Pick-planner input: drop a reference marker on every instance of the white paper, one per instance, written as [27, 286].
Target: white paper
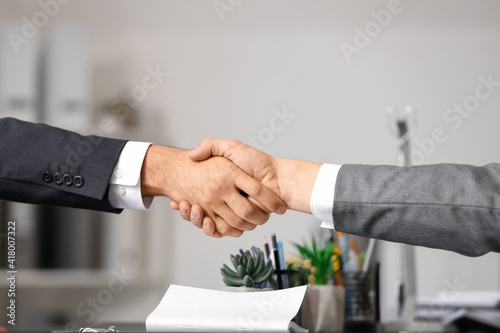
[191, 309]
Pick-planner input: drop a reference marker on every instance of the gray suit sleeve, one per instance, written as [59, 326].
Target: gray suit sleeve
[444, 206]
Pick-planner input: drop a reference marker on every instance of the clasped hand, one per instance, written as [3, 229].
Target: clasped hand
[226, 199]
[283, 184]
[256, 201]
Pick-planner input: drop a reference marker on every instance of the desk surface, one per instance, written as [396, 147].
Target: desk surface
[140, 327]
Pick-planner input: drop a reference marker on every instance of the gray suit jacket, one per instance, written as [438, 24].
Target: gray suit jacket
[42, 164]
[445, 206]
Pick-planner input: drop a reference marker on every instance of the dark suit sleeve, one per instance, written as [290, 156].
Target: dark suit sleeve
[445, 206]
[29, 153]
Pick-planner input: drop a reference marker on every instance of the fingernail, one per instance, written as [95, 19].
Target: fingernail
[281, 210]
[204, 224]
[194, 215]
[184, 211]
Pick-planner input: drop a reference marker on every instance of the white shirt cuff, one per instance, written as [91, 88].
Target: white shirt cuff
[125, 183]
[323, 194]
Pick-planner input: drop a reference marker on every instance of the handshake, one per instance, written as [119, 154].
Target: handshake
[226, 187]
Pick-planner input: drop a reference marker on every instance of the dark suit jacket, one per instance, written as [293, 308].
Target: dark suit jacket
[41, 164]
[445, 206]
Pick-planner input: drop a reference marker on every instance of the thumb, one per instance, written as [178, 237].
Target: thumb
[210, 147]
[200, 153]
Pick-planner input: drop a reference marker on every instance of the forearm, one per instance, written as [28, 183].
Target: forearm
[296, 181]
[160, 170]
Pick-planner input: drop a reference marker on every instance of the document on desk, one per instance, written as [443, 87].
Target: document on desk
[188, 309]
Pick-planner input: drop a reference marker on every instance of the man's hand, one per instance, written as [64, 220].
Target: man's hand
[292, 180]
[214, 184]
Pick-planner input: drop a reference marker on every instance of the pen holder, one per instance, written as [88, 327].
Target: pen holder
[360, 305]
[323, 308]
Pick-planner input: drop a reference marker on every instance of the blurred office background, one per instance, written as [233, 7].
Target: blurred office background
[232, 67]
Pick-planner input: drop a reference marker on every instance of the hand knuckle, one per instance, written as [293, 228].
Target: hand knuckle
[247, 212]
[255, 189]
[215, 186]
[238, 223]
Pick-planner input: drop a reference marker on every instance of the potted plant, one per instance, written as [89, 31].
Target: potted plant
[251, 272]
[319, 266]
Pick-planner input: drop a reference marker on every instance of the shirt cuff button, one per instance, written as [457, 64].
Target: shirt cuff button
[120, 190]
[118, 173]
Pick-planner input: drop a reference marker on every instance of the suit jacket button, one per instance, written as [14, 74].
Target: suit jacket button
[47, 177]
[68, 180]
[78, 181]
[58, 178]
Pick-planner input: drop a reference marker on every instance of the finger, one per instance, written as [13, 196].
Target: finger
[225, 229]
[209, 228]
[174, 204]
[212, 147]
[185, 210]
[258, 204]
[246, 210]
[197, 215]
[255, 189]
[233, 219]
[255, 202]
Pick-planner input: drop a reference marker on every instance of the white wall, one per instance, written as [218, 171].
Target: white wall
[226, 77]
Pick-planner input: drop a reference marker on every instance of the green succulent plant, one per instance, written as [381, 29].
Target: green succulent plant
[249, 270]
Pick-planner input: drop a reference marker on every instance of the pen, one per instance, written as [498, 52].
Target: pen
[266, 248]
[277, 261]
[284, 277]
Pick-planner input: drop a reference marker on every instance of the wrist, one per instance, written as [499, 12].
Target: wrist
[159, 169]
[296, 181]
